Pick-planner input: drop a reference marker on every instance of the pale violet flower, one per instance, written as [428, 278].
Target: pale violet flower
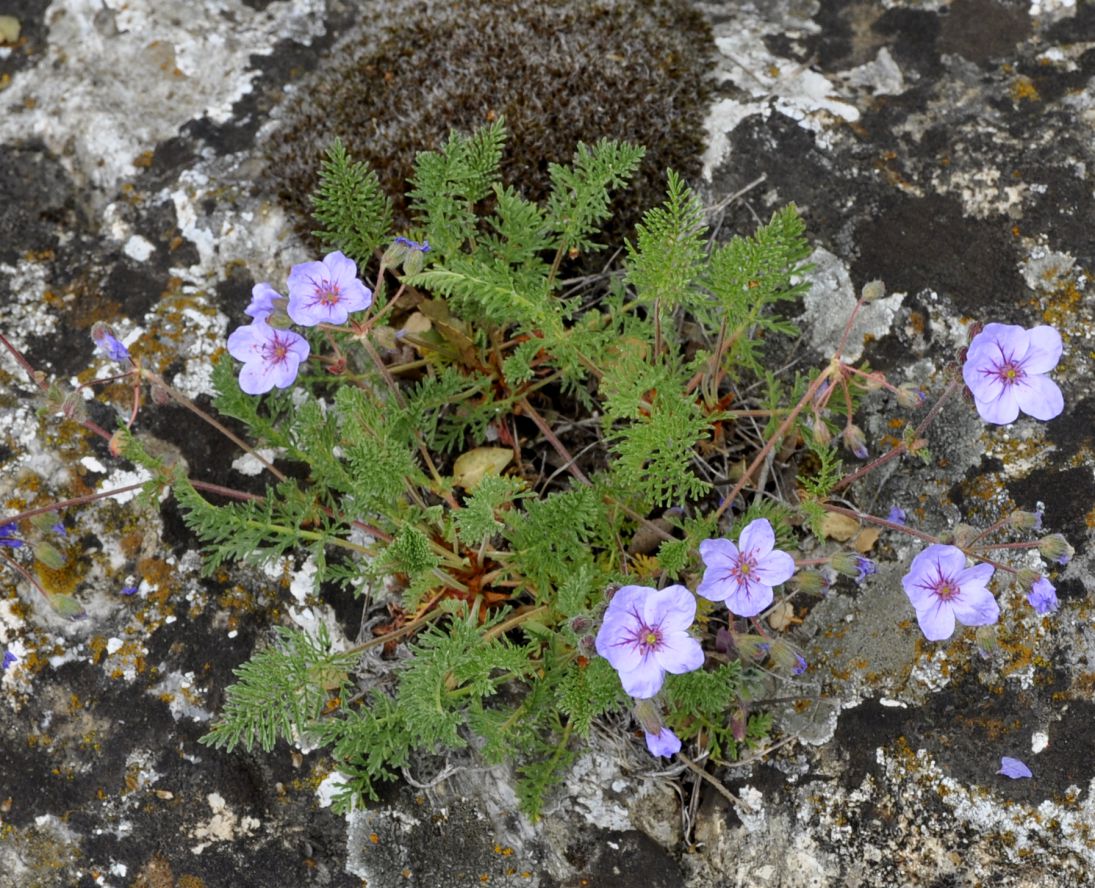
[270, 356]
[665, 742]
[326, 292]
[1013, 768]
[942, 589]
[108, 344]
[1043, 597]
[743, 575]
[645, 634]
[1005, 370]
[263, 303]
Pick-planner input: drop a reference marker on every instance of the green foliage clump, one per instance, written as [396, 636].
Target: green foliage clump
[599, 406]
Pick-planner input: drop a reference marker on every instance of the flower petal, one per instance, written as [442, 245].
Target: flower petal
[672, 609]
[758, 538]
[243, 343]
[719, 553]
[1044, 350]
[1040, 397]
[936, 620]
[1013, 768]
[679, 652]
[645, 681]
[975, 606]
[1002, 409]
[665, 742]
[774, 568]
[255, 378]
[749, 599]
[341, 268]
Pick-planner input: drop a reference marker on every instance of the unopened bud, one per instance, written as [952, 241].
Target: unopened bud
[1026, 578]
[855, 440]
[580, 624]
[159, 395]
[964, 535]
[116, 443]
[910, 397]
[73, 406]
[872, 382]
[873, 291]
[820, 430]
[647, 715]
[48, 555]
[986, 639]
[809, 581]
[1025, 520]
[587, 645]
[1056, 548]
[739, 724]
[845, 563]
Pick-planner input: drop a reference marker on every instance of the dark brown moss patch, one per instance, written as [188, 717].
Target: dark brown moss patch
[559, 72]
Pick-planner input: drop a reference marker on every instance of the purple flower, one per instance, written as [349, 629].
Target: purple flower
[800, 664]
[129, 590]
[423, 247]
[1043, 597]
[6, 538]
[270, 356]
[58, 527]
[645, 634]
[864, 568]
[942, 589]
[1013, 768]
[262, 301]
[10, 658]
[665, 742]
[326, 292]
[897, 516]
[743, 577]
[105, 342]
[1005, 367]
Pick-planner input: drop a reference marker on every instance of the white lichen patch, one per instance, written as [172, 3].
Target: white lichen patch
[25, 311]
[183, 698]
[829, 304]
[223, 826]
[99, 116]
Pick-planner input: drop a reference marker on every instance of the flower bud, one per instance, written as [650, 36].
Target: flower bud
[964, 535]
[873, 291]
[1043, 597]
[820, 430]
[809, 581]
[910, 397]
[750, 647]
[1025, 520]
[1026, 578]
[845, 563]
[1056, 548]
[48, 555]
[107, 344]
[800, 665]
[986, 639]
[872, 382]
[739, 723]
[647, 715]
[587, 645]
[580, 624]
[414, 263]
[855, 440]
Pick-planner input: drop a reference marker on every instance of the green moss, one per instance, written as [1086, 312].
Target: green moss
[559, 72]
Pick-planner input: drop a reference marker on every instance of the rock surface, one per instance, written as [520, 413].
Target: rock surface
[944, 148]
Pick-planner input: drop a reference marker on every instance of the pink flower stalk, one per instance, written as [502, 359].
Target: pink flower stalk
[645, 634]
[942, 589]
[743, 575]
[1005, 370]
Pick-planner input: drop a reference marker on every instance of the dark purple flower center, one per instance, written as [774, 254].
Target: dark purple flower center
[744, 568]
[276, 350]
[647, 639]
[1006, 369]
[328, 293]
